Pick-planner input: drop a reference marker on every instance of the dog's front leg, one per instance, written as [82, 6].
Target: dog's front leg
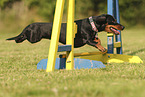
[97, 43]
[99, 46]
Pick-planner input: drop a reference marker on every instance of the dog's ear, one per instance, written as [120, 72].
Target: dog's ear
[101, 18]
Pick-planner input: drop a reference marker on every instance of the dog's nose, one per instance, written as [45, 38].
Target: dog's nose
[123, 27]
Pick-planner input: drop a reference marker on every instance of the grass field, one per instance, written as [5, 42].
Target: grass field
[20, 78]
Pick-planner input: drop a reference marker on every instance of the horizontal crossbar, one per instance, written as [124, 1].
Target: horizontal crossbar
[82, 54]
[117, 44]
[62, 48]
[106, 58]
[110, 34]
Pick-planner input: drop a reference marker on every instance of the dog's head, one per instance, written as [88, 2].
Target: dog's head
[109, 24]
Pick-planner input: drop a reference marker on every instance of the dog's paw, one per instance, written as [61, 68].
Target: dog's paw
[105, 51]
[102, 49]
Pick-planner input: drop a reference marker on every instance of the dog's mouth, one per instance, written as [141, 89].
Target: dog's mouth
[115, 31]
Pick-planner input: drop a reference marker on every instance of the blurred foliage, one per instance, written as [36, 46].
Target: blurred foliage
[7, 3]
[132, 12]
[45, 7]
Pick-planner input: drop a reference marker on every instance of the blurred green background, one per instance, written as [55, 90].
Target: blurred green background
[18, 74]
[16, 14]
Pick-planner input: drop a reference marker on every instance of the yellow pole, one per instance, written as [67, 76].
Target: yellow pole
[55, 35]
[70, 34]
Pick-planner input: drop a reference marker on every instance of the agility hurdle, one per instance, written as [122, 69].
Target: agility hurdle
[82, 60]
[69, 62]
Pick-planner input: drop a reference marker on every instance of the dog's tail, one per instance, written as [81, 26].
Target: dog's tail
[18, 39]
[13, 38]
[21, 37]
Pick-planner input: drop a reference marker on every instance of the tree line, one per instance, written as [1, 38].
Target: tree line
[132, 12]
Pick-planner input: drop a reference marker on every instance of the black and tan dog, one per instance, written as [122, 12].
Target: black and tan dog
[86, 31]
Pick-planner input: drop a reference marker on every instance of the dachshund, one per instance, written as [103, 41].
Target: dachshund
[87, 30]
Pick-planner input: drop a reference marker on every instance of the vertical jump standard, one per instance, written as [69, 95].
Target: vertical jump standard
[56, 32]
[113, 9]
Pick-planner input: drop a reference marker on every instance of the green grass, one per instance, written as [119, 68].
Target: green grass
[20, 78]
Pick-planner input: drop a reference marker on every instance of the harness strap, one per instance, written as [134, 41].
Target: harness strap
[93, 24]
